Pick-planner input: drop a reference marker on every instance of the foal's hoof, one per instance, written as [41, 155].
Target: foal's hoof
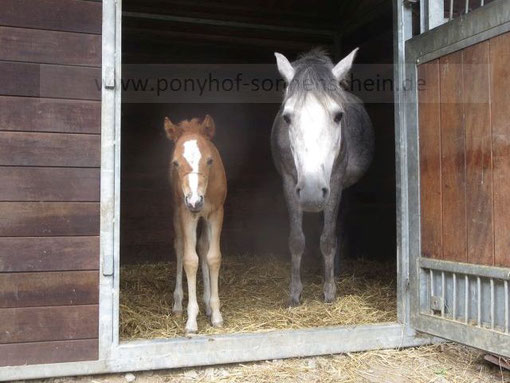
[217, 320]
[190, 331]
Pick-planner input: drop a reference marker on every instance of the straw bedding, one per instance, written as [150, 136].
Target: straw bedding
[254, 295]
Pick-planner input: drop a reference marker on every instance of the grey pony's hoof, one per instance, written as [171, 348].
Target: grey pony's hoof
[329, 292]
[294, 302]
[177, 313]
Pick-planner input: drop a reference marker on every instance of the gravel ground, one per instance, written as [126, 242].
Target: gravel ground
[436, 363]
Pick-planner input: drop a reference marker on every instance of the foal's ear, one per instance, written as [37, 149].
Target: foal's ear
[341, 70]
[208, 126]
[173, 132]
[284, 67]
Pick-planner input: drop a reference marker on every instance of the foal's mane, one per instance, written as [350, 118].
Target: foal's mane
[313, 75]
[192, 126]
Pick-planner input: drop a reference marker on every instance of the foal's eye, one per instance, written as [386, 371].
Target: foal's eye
[175, 164]
[209, 161]
[286, 118]
[338, 117]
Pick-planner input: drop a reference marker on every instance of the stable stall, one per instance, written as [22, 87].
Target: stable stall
[86, 258]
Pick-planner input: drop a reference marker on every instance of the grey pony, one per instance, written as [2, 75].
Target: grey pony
[313, 76]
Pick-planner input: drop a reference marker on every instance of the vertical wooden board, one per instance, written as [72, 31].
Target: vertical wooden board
[480, 244]
[41, 324]
[16, 354]
[48, 254]
[430, 160]
[63, 288]
[453, 158]
[49, 115]
[500, 117]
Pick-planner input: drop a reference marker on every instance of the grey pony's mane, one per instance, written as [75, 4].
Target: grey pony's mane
[313, 75]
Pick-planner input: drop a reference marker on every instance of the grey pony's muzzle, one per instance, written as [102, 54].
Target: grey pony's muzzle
[312, 195]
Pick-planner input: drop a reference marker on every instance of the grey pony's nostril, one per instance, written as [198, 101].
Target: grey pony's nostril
[298, 191]
[325, 192]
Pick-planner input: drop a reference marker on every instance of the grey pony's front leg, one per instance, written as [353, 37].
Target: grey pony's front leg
[329, 242]
[296, 239]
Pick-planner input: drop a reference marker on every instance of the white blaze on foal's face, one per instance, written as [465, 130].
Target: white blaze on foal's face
[193, 155]
[315, 135]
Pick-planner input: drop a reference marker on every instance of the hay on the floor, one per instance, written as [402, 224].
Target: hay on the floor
[254, 295]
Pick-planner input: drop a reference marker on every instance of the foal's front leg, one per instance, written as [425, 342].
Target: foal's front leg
[190, 261]
[215, 223]
[296, 239]
[178, 246]
[329, 243]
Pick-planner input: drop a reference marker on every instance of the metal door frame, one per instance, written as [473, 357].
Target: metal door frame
[481, 24]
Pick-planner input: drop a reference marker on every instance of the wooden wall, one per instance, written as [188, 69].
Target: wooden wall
[50, 58]
[464, 118]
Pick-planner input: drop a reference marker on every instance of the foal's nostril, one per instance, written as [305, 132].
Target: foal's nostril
[325, 192]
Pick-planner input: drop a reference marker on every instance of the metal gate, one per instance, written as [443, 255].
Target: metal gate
[452, 296]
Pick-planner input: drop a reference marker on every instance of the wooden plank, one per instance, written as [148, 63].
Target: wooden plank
[430, 160]
[49, 149]
[49, 115]
[500, 116]
[49, 254]
[480, 244]
[40, 324]
[453, 158]
[50, 81]
[69, 15]
[17, 354]
[33, 219]
[62, 288]
[49, 184]
[38, 46]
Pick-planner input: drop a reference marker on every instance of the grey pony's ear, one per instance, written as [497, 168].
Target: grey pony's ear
[284, 67]
[341, 70]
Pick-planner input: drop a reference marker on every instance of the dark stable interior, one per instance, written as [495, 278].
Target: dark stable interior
[248, 33]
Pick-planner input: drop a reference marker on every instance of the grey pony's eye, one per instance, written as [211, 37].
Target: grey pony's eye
[338, 117]
[286, 118]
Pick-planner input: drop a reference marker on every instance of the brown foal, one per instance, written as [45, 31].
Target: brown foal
[199, 188]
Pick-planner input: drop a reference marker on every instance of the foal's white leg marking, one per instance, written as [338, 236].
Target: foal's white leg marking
[192, 155]
[190, 260]
[214, 261]
[177, 308]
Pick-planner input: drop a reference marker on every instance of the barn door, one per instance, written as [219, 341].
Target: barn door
[458, 123]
